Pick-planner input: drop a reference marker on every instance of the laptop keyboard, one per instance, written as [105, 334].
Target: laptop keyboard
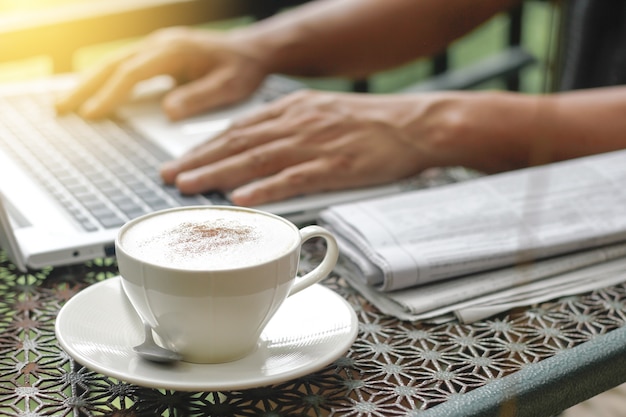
[102, 172]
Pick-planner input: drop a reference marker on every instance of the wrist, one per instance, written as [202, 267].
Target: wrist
[486, 131]
[278, 48]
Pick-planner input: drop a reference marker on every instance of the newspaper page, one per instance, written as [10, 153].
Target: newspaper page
[477, 296]
[483, 224]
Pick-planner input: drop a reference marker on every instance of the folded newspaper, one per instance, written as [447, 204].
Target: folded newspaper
[482, 246]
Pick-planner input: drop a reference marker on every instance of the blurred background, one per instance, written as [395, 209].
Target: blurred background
[87, 30]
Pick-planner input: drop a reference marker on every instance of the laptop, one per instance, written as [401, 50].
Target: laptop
[67, 184]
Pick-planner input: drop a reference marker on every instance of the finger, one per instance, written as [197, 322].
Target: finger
[306, 178]
[204, 154]
[118, 86]
[88, 84]
[209, 92]
[232, 142]
[241, 168]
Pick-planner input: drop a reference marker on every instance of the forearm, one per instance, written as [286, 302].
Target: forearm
[357, 37]
[497, 131]
[587, 122]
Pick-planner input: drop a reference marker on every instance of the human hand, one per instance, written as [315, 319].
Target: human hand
[212, 69]
[308, 142]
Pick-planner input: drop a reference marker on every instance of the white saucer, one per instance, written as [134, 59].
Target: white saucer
[98, 328]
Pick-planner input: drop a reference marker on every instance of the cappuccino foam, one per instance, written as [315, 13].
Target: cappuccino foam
[208, 238]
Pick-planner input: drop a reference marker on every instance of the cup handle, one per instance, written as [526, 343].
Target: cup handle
[325, 267]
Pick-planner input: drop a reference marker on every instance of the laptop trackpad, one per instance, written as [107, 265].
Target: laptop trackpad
[145, 115]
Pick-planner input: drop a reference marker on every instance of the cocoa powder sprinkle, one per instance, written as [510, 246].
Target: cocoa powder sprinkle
[216, 235]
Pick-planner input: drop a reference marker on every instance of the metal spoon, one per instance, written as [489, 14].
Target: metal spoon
[149, 350]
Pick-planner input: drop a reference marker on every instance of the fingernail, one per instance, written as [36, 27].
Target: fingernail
[88, 109]
[242, 196]
[185, 178]
[60, 106]
[174, 107]
[168, 171]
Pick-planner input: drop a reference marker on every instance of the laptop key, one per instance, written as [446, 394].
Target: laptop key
[111, 221]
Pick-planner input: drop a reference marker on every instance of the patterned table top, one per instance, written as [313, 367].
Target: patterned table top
[394, 368]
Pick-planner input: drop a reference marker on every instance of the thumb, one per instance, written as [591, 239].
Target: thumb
[206, 93]
[186, 101]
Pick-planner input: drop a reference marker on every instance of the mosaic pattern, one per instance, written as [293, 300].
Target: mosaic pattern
[393, 369]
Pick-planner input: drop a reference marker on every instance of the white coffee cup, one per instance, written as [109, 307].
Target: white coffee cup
[208, 279]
